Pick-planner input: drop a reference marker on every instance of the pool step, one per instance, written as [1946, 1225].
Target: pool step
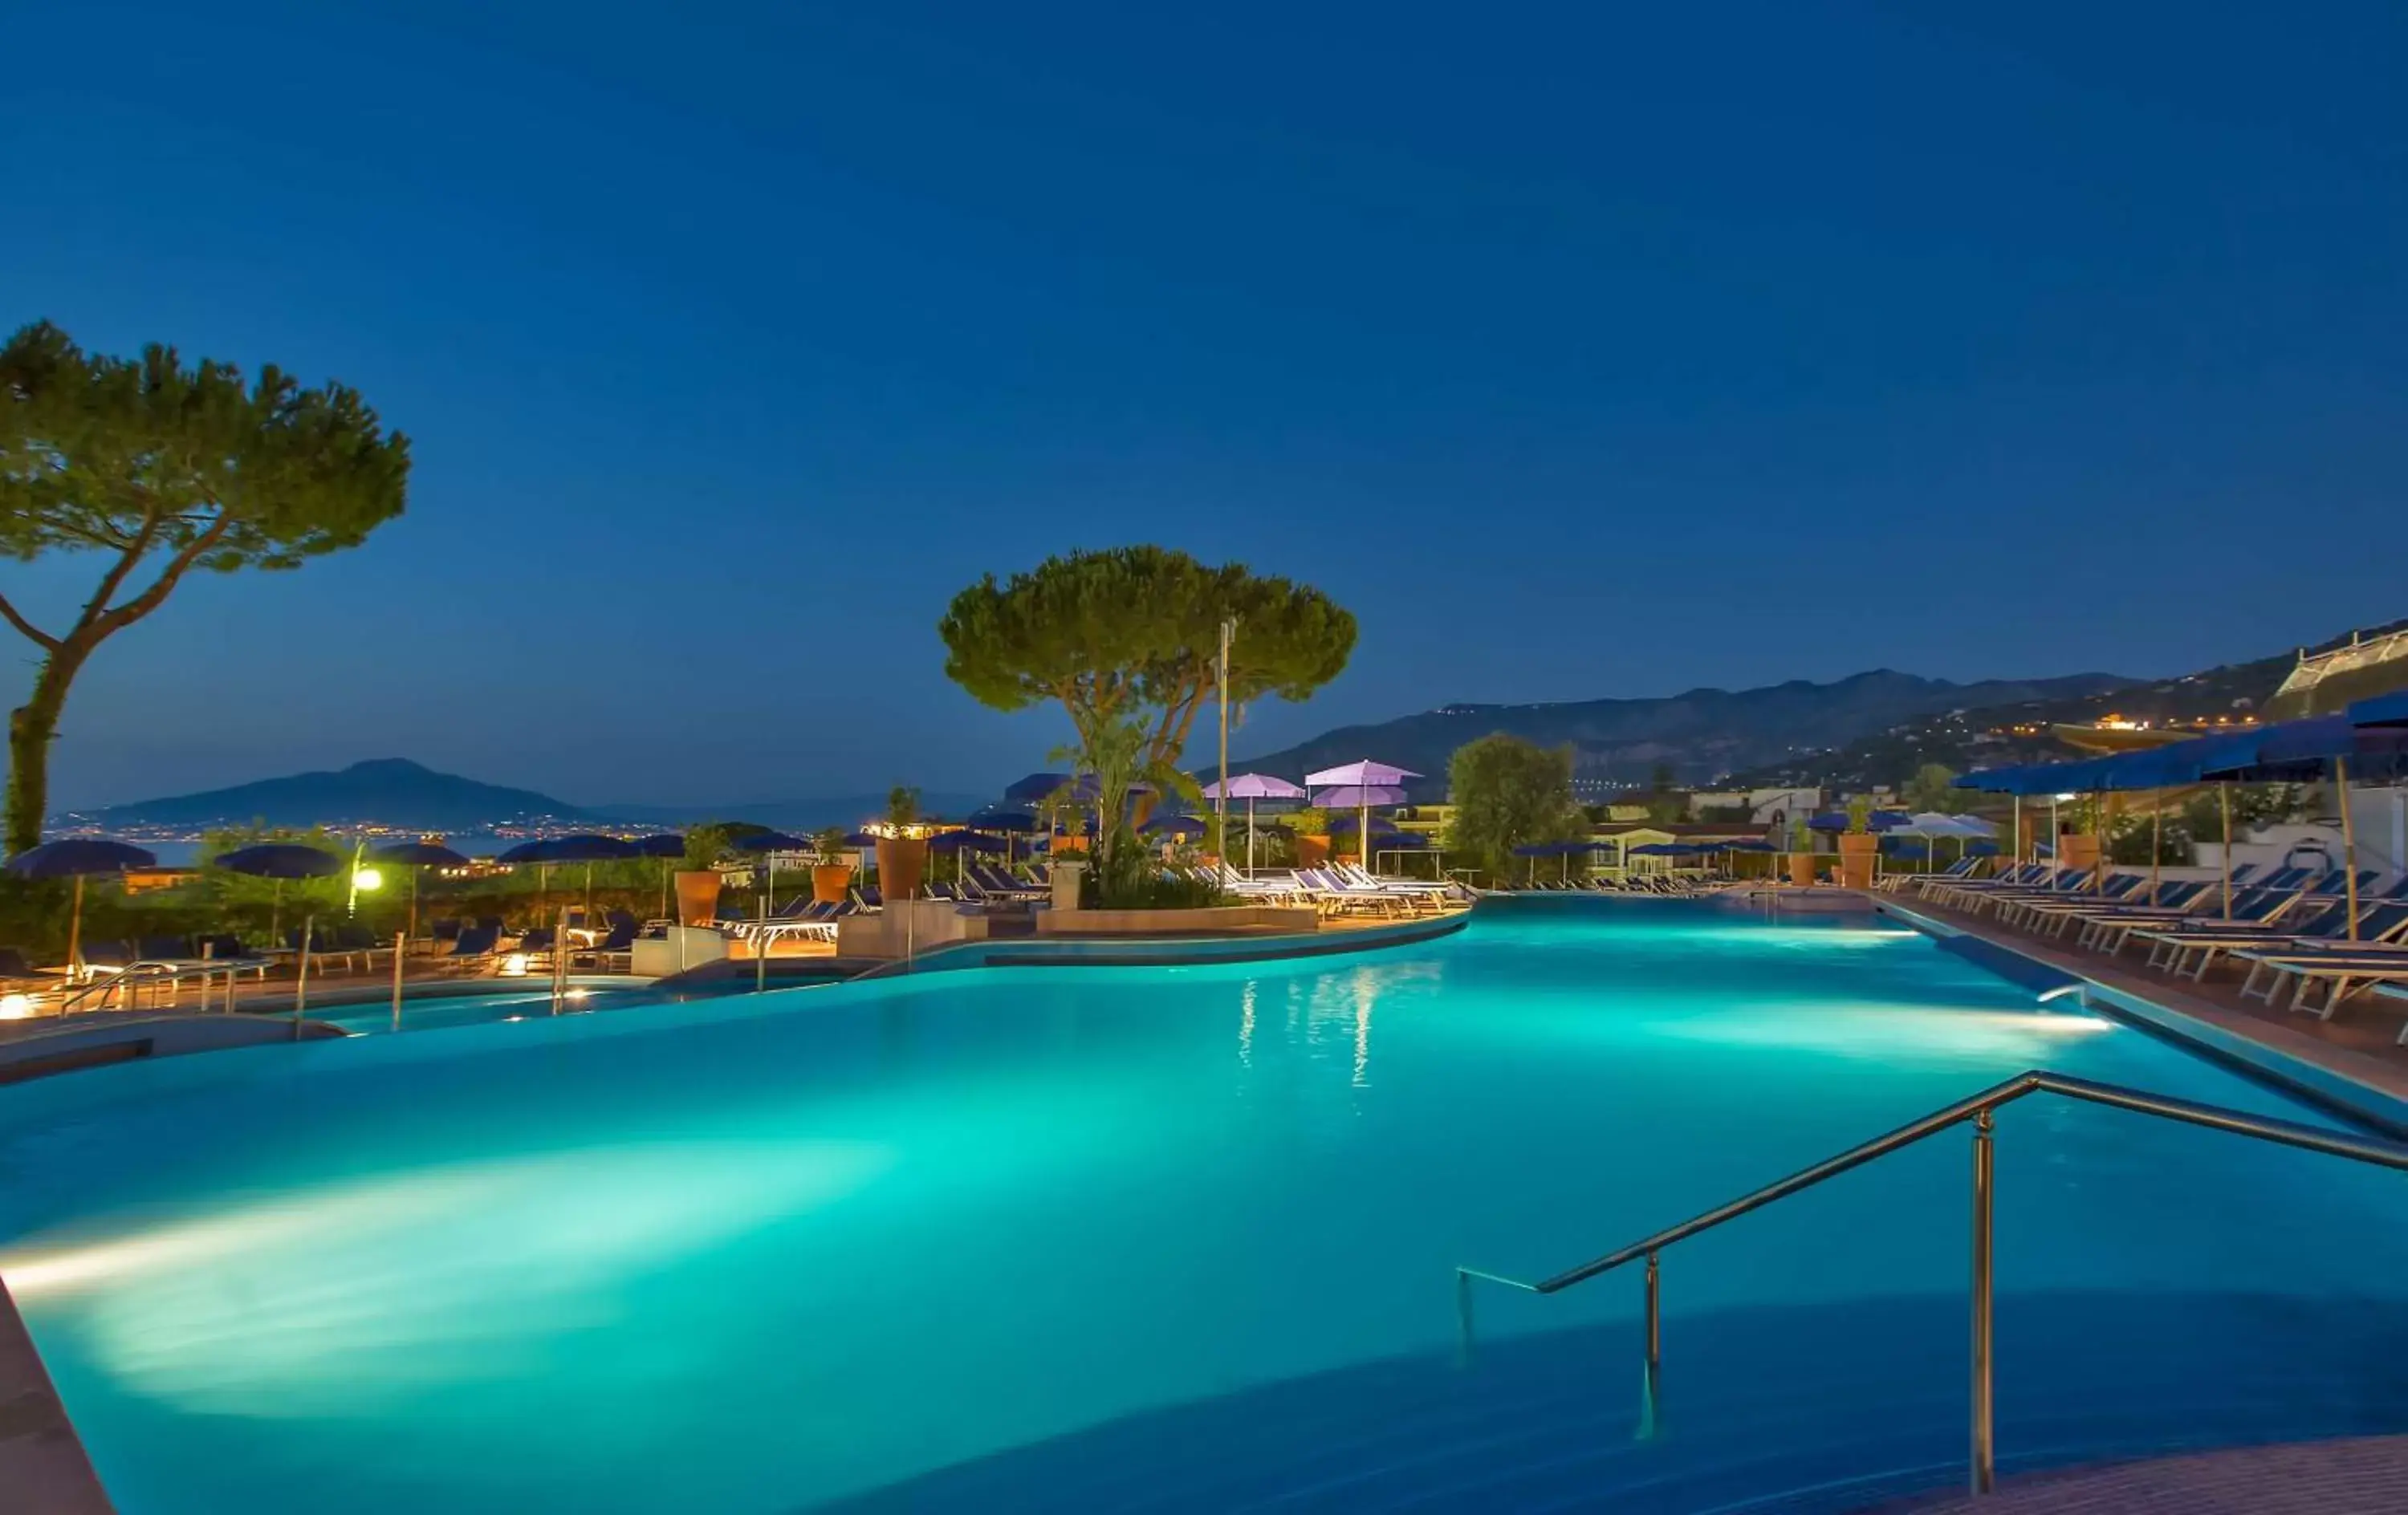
[1799, 1410]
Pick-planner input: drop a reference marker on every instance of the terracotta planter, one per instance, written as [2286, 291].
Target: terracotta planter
[902, 862]
[1070, 844]
[697, 896]
[831, 882]
[2077, 849]
[1857, 854]
[1312, 851]
[1801, 868]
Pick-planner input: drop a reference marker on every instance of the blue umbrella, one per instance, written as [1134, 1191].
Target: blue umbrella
[77, 858]
[280, 860]
[770, 841]
[861, 838]
[668, 846]
[586, 847]
[1185, 827]
[765, 842]
[1007, 819]
[414, 857]
[965, 841]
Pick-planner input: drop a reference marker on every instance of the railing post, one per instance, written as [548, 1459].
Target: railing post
[1462, 1319]
[1652, 1384]
[1983, 1458]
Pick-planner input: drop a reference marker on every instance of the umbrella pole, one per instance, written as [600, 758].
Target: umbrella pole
[2224, 802]
[2156, 843]
[666, 865]
[2348, 843]
[1249, 835]
[75, 933]
[275, 915]
[411, 933]
[2019, 831]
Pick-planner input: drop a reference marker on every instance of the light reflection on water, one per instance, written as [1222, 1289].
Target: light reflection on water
[870, 1230]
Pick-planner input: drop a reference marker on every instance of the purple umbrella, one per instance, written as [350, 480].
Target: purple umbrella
[1360, 786]
[1251, 787]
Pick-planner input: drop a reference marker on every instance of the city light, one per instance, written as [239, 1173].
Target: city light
[366, 881]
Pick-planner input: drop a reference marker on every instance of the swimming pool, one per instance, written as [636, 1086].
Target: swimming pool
[1171, 1239]
[522, 999]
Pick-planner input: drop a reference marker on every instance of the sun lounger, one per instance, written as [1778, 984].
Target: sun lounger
[2196, 947]
[2338, 963]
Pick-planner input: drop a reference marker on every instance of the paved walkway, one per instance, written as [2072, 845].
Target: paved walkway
[2360, 1043]
[2363, 1476]
[42, 1464]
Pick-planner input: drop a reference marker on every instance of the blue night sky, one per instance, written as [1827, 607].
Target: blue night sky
[1582, 351]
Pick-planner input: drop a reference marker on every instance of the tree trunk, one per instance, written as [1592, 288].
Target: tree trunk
[30, 728]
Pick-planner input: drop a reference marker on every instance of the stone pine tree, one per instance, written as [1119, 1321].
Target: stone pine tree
[1133, 634]
[154, 470]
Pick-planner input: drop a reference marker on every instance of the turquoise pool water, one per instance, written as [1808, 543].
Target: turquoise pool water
[1062, 1239]
[522, 999]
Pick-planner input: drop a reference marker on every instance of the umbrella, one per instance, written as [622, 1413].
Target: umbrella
[1367, 778]
[1012, 820]
[1036, 789]
[280, 860]
[1836, 821]
[1005, 817]
[1360, 786]
[962, 843]
[1184, 827]
[77, 858]
[965, 841]
[414, 857]
[1251, 787]
[588, 848]
[765, 843]
[668, 846]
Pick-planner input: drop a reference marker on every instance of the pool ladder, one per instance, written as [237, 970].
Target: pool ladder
[1977, 1110]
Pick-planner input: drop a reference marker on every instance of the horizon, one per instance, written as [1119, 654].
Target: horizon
[1238, 761]
[1581, 356]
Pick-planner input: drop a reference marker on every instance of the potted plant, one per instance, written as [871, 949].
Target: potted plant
[1859, 846]
[697, 881]
[1311, 827]
[832, 873]
[902, 858]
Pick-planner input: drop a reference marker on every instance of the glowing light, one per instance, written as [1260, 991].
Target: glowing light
[366, 881]
[16, 1007]
[579, 994]
[514, 965]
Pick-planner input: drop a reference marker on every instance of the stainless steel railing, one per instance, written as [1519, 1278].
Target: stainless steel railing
[1976, 1109]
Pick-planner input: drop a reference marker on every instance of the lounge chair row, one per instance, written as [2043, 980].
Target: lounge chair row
[2292, 932]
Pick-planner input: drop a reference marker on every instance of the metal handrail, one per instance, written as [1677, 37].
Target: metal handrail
[1978, 1110]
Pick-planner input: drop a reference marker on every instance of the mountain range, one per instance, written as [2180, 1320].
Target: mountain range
[395, 792]
[1701, 735]
[1986, 736]
[1870, 728]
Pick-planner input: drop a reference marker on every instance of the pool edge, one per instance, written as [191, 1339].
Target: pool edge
[2331, 1089]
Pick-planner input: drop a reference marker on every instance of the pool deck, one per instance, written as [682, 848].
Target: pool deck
[2357, 1476]
[2353, 1060]
[42, 1464]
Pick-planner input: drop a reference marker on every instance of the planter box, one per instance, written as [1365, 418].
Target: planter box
[1856, 854]
[1217, 919]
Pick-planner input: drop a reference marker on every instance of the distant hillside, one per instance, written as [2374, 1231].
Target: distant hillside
[2021, 730]
[1702, 735]
[797, 814]
[393, 792]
